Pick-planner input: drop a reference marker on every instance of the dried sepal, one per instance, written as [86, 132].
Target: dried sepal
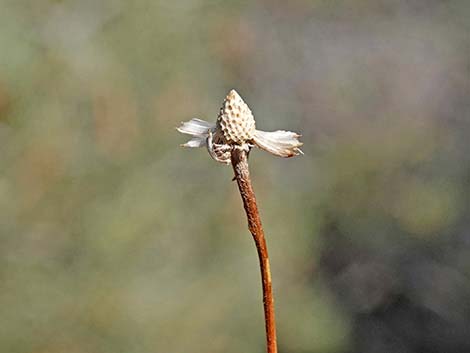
[220, 152]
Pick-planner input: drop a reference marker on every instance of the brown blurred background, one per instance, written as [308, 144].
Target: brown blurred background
[114, 239]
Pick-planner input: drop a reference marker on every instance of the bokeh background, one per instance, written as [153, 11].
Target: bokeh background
[114, 239]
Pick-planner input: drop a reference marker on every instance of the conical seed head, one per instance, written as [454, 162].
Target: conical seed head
[235, 120]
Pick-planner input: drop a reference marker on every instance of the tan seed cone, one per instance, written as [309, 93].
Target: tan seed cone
[235, 120]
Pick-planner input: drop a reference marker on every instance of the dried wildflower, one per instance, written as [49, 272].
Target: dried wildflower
[229, 141]
[236, 128]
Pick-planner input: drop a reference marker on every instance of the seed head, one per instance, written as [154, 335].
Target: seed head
[235, 120]
[235, 129]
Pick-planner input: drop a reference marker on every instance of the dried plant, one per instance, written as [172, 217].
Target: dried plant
[229, 141]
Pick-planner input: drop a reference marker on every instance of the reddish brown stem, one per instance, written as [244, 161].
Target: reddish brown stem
[242, 176]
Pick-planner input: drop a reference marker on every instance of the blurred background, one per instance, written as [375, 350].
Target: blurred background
[114, 239]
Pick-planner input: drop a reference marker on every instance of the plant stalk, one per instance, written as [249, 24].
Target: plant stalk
[242, 176]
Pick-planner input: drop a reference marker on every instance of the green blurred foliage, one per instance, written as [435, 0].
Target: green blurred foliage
[113, 239]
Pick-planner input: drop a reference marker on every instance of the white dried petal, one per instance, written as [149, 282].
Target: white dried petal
[199, 129]
[196, 127]
[280, 143]
[196, 142]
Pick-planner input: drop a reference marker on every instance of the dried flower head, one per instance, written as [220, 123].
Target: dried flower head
[236, 128]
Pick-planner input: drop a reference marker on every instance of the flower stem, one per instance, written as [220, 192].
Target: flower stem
[242, 176]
